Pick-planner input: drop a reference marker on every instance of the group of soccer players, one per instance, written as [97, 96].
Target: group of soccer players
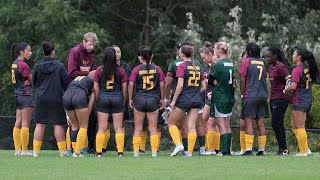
[198, 96]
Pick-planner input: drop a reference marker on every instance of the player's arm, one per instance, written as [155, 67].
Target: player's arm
[91, 101]
[177, 92]
[130, 91]
[124, 90]
[291, 88]
[203, 86]
[168, 86]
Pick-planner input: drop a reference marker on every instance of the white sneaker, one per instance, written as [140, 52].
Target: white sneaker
[302, 155]
[309, 152]
[188, 155]
[64, 153]
[177, 149]
[220, 154]
[77, 155]
[35, 154]
[154, 154]
[210, 152]
[239, 153]
[26, 153]
[136, 154]
[17, 153]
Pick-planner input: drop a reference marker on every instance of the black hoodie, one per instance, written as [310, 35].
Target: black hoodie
[50, 80]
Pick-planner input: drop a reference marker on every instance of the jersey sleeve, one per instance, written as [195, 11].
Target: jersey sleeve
[171, 70]
[124, 75]
[244, 67]
[180, 70]
[215, 70]
[134, 74]
[161, 75]
[24, 69]
[73, 64]
[296, 74]
[97, 74]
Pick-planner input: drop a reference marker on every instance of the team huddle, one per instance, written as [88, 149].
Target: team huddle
[196, 98]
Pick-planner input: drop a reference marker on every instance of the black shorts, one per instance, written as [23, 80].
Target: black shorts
[110, 104]
[24, 101]
[254, 108]
[302, 107]
[187, 105]
[146, 104]
[75, 98]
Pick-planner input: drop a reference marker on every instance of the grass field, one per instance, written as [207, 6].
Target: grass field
[50, 166]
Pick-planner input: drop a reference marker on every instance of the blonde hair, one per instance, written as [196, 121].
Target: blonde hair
[225, 47]
[90, 37]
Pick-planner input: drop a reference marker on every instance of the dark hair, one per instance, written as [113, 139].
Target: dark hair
[207, 48]
[146, 53]
[253, 50]
[115, 46]
[243, 53]
[187, 50]
[276, 51]
[308, 56]
[17, 47]
[47, 48]
[179, 45]
[110, 67]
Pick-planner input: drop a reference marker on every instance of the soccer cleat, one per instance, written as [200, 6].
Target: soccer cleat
[84, 151]
[104, 150]
[136, 154]
[120, 154]
[239, 153]
[141, 151]
[220, 154]
[247, 153]
[77, 155]
[309, 152]
[177, 149]
[35, 154]
[210, 152]
[302, 155]
[26, 153]
[154, 154]
[284, 152]
[70, 152]
[64, 154]
[260, 153]
[188, 155]
[91, 151]
[99, 154]
[17, 153]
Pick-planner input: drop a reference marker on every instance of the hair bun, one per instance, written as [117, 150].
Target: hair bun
[207, 44]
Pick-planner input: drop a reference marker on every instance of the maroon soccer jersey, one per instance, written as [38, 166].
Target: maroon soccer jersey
[207, 70]
[79, 61]
[277, 76]
[112, 86]
[192, 78]
[20, 72]
[303, 93]
[147, 83]
[254, 72]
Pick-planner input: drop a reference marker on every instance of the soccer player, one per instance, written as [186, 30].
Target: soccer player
[50, 80]
[80, 62]
[223, 82]
[304, 75]
[148, 80]
[254, 102]
[186, 98]
[278, 100]
[78, 102]
[212, 131]
[21, 80]
[110, 89]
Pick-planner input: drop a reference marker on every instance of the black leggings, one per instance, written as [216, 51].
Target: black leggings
[278, 109]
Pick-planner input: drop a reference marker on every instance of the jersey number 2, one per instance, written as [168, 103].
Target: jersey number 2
[194, 78]
[109, 84]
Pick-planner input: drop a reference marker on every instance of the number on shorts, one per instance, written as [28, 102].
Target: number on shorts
[148, 83]
[194, 78]
[13, 77]
[109, 84]
[261, 69]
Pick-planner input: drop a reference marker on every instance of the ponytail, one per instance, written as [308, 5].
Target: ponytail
[16, 48]
[13, 48]
[314, 71]
[146, 54]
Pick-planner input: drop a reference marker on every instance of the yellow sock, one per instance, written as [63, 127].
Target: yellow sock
[249, 141]
[192, 137]
[86, 142]
[217, 140]
[17, 139]
[136, 142]
[24, 138]
[242, 141]
[62, 146]
[81, 139]
[154, 143]
[74, 145]
[210, 139]
[37, 145]
[106, 139]
[120, 142]
[180, 135]
[174, 133]
[143, 139]
[159, 139]
[206, 146]
[99, 142]
[262, 141]
[294, 131]
[302, 140]
[68, 139]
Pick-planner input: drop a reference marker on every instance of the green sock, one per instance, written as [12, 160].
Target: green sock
[202, 140]
[185, 143]
[229, 143]
[224, 143]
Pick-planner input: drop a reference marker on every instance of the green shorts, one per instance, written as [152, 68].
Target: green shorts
[221, 109]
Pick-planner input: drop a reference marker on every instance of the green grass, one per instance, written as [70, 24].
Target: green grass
[50, 166]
